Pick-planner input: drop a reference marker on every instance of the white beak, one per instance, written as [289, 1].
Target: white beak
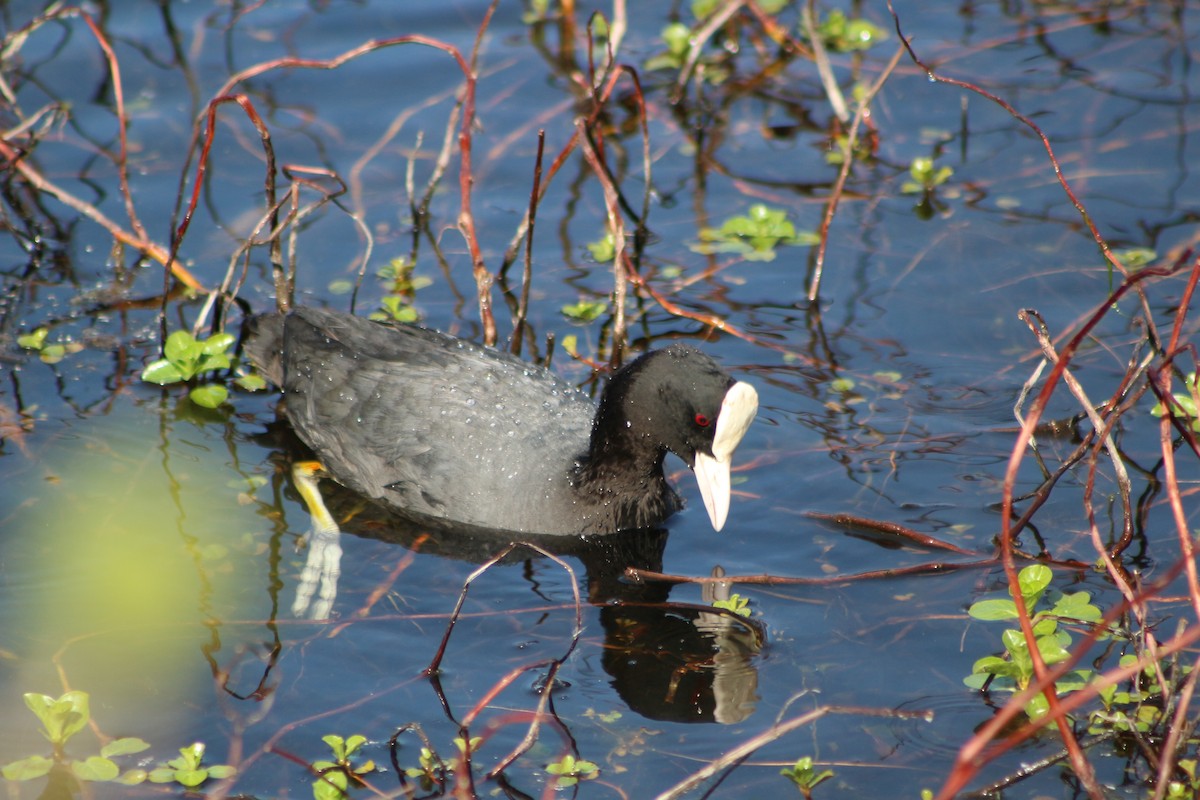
[712, 472]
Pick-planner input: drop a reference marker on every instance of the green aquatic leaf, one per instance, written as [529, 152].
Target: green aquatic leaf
[95, 768]
[218, 343]
[27, 769]
[1054, 648]
[35, 340]
[162, 372]
[1037, 707]
[841, 34]
[210, 395]
[603, 250]
[1136, 257]
[754, 236]
[585, 310]
[252, 382]
[993, 610]
[161, 775]
[1077, 605]
[190, 777]
[132, 777]
[181, 347]
[1033, 580]
[53, 353]
[331, 786]
[124, 747]
[62, 717]
[736, 603]
[1044, 626]
[994, 665]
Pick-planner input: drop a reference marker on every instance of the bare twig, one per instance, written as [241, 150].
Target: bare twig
[848, 148]
[745, 749]
[808, 18]
[527, 275]
[890, 529]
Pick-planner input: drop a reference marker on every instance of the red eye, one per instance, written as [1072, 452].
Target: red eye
[701, 420]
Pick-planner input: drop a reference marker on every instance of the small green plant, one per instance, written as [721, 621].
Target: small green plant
[678, 39]
[840, 34]
[1186, 789]
[925, 178]
[607, 717]
[584, 311]
[1135, 258]
[1014, 670]
[754, 236]
[49, 353]
[539, 12]
[395, 309]
[604, 249]
[336, 774]
[432, 770]
[188, 770]
[736, 603]
[840, 145]
[1136, 710]
[702, 9]
[571, 770]
[185, 357]
[462, 745]
[804, 776]
[401, 287]
[1183, 403]
[62, 718]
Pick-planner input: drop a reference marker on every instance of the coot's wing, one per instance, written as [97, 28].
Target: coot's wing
[429, 423]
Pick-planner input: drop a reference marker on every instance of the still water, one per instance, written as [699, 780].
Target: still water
[154, 553]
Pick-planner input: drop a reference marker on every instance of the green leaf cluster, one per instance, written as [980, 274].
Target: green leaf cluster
[841, 34]
[1135, 710]
[584, 311]
[398, 305]
[678, 39]
[188, 770]
[1184, 789]
[185, 357]
[1183, 403]
[702, 9]
[49, 353]
[604, 249]
[736, 603]
[571, 770]
[925, 178]
[539, 12]
[1134, 258]
[754, 236]
[840, 145]
[395, 308]
[805, 776]
[62, 717]
[334, 775]
[1014, 670]
[430, 770]
[433, 769]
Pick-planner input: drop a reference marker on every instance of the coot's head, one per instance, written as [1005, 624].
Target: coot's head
[678, 399]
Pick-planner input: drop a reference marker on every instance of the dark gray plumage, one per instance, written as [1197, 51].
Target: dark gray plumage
[437, 427]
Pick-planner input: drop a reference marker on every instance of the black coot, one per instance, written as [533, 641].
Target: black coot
[437, 427]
